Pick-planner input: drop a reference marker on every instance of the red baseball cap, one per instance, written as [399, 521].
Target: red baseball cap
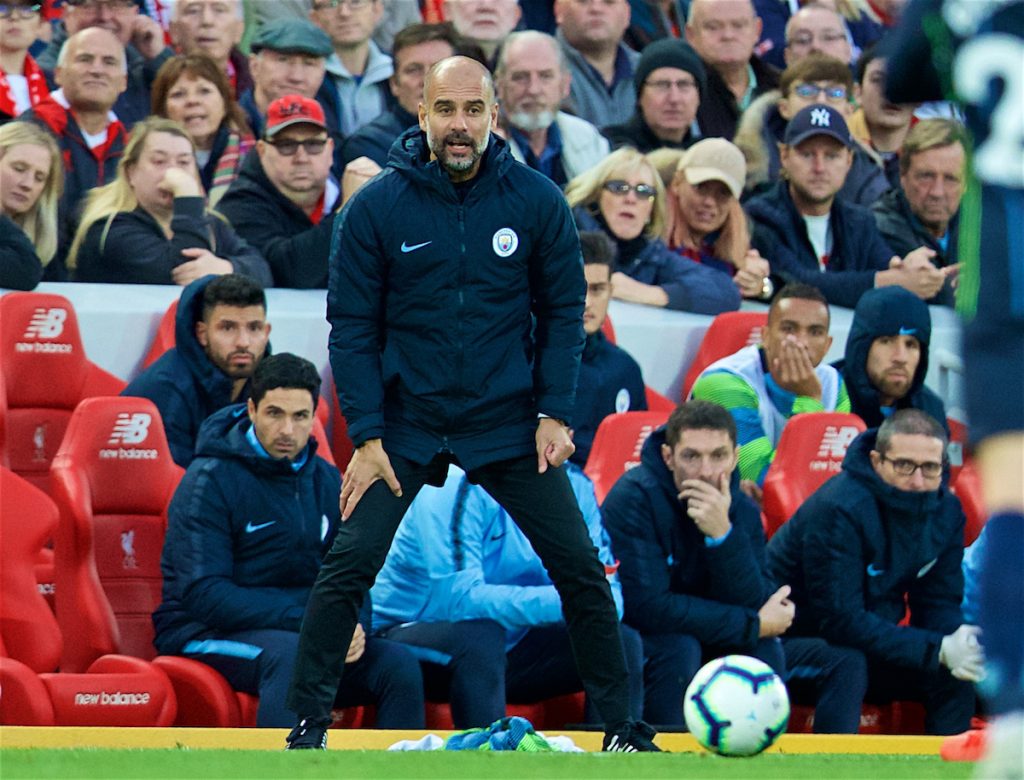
[293, 110]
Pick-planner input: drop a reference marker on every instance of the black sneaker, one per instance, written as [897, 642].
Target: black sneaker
[310, 734]
[635, 737]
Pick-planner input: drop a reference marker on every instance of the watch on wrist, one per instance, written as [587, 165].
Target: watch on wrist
[767, 288]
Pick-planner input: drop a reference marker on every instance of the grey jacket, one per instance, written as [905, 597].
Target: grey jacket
[589, 96]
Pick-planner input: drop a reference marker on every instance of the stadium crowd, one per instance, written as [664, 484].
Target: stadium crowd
[711, 151]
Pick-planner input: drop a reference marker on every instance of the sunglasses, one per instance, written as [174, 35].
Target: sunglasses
[18, 11]
[287, 148]
[622, 188]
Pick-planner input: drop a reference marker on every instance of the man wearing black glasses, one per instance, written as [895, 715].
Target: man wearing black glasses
[283, 201]
[883, 536]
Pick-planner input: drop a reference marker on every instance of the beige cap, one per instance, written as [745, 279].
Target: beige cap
[715, 159]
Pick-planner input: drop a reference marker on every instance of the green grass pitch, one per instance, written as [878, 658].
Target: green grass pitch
[95, 764]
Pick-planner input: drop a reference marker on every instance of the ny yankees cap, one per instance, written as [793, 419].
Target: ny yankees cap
[818, 119]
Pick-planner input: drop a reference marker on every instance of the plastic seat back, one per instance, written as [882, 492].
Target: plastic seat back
[45, 374]
[729, 332]
[967, 488]
[810, 452]
[165, 338]
[617, 445]
[113, 479]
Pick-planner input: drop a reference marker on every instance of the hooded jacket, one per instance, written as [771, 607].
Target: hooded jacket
[20, 267]
[185, 386]
[887, 311]
[292, 244]
[761, 130]
[858, 250]
[455, 320]
[859, 551]
[245, 536]
[690, 286]
[672, 580]
[375, 138]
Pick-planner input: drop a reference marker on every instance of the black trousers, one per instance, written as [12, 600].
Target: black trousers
[545, 509]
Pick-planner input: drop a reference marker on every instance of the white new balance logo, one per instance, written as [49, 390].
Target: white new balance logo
[46, 324]
[130, 428]
[835, 441]
[820, 117]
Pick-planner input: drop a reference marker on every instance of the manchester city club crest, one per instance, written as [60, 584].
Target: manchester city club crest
[505, 242]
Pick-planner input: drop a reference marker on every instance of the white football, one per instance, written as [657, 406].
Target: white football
[736, 706]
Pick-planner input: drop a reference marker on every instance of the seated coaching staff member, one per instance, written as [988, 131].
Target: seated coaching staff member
[456, 301]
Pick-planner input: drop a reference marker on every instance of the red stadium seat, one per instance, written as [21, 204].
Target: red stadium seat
[45, 374]
[608, 329]
[810, 451]
[553, 713]
[112, 691]
[656, 402]
[113, 479]
[164, 338]
[617, 446]
[967, 488]
[341, 444]
[729, 332]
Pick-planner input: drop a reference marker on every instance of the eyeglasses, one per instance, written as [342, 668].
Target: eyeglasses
[622, 188]
[807, 39]
[116, 5]
[18, 11]
[352, 5]
[287, 148]
[664, 85]
[811, 92]
[906, 468]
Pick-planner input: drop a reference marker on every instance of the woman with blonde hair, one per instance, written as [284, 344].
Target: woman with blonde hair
[151, 224]
[623, 196]
[704, 220]
[31, 180]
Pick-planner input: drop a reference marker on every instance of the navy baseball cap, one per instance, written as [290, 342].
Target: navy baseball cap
[290, 34]
[818, 119]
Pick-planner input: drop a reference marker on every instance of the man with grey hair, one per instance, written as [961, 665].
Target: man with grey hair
[447, 271]
[532, 79]
[141, 37]
[91, 73]
[817, 28]
[486, 23]
[214, 28]
[724, 34]
[591, 33]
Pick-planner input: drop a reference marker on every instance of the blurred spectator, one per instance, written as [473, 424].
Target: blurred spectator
[816, 28]
[284, 199]
[886, 357]
[398, 14]
[417, 48]
[590, 32]
[860, 22]
[357, 70]
[724, 33]
[925, 209]
[486, 23]
[810, 235]
[610, 381]
[532, 79]
[31, 177]
[214, 28]
[815, 79]
[289, 57]
[765, 384]
[463, 589]
[150, 225]
[22, 82]
[142, 39]
[704, 220]
[91, 74]
[652, 20]
[220, 336]
[669, 81]
[878, 123]
[193, 91]
[623, 196]
[874, 556]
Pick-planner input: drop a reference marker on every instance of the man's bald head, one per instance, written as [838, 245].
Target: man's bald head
[92, 69]
[459, 70]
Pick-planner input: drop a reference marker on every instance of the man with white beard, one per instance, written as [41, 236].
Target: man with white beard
[532, 79]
